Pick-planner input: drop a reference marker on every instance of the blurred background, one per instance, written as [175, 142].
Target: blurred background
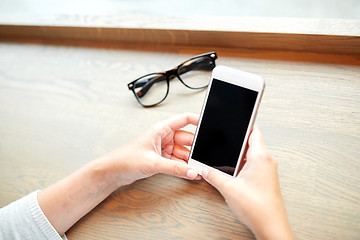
[327, 9]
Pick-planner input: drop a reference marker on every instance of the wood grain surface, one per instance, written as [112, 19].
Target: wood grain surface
[63, 106]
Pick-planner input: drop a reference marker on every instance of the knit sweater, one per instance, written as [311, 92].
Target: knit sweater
[24, 219]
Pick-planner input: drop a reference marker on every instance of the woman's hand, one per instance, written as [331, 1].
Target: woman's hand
[254, 195]
[160, 149]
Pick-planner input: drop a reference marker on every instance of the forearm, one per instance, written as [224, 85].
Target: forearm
[68, 200]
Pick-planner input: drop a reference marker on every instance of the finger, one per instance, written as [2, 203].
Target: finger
[183, 138]
[175, 158]
[181, 152]
[198, 177]
[215, 177]
[256, 144]
[167, 151]
[176, 168]
[256, 139]
[181, 120]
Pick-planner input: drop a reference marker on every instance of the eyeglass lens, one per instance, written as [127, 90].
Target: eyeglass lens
[195, 72]
[151, 89]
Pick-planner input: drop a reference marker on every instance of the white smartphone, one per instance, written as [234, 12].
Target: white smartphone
[226, 120]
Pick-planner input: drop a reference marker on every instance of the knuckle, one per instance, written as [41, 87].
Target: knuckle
[187, 114]
[265, 156]
[261, 155]
[273, 161]
[177, 169]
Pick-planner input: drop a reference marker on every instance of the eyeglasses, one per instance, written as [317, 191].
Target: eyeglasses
[153, 88]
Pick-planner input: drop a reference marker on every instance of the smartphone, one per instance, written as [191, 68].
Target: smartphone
[226, 120]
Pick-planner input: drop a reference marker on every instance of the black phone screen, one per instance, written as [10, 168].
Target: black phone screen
[223, 126]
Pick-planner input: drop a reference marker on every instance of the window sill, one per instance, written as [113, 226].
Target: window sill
[232, 34]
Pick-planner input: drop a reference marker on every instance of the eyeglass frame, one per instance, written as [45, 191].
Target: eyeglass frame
[169, 75]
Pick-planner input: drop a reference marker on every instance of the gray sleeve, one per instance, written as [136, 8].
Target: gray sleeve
[24, 219]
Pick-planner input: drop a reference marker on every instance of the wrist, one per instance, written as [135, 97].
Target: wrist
[114, 169]
[101, 177]
[274, 225]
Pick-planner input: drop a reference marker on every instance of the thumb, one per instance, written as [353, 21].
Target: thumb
[215, 177]
[256, 139]
[176, 168]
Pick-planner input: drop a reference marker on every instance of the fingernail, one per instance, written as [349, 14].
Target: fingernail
[205, 172]
[191, 173]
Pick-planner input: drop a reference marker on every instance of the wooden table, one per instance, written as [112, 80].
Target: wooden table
[63, 105]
